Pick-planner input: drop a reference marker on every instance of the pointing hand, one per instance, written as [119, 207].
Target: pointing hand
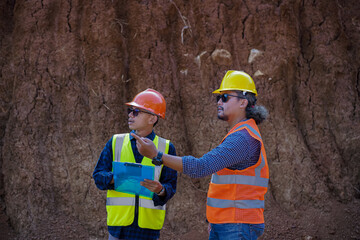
[145, 146]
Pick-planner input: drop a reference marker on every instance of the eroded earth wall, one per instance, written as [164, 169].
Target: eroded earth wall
[67, 67]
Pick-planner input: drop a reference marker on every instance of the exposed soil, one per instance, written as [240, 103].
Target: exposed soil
[68, 66]
[338, 221]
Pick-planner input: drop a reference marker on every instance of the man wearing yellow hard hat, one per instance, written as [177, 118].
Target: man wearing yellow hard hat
[134, 212]
[240, 174]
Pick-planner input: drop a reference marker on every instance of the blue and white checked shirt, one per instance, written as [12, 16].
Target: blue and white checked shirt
[103, 176]
[238, 151]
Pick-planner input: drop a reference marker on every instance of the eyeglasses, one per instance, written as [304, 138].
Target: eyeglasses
[225, 97]
[134, 111]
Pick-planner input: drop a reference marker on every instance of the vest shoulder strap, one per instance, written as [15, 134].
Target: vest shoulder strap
[162, 144]
[118, 140]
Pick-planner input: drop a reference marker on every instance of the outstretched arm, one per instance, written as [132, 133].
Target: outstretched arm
[147, 148]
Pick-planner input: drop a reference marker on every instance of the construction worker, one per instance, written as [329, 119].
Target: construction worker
[133, 216]
[240, 175]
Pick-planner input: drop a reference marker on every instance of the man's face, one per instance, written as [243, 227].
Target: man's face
[139, 119]
[228, 105]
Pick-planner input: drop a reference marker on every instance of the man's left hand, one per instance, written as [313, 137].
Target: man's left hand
[154, 186]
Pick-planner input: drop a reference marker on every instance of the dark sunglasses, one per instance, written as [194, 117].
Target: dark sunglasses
[225, 97]
[134, 111]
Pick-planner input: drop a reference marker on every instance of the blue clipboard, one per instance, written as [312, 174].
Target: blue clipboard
[127, 178]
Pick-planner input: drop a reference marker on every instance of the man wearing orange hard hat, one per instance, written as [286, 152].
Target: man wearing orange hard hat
[239, 168]
[134, 213]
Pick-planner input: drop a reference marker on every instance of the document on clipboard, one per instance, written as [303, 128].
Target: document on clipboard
[127, 178]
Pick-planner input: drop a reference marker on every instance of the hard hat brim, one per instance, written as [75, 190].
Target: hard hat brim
[218, 91]
[134, 104]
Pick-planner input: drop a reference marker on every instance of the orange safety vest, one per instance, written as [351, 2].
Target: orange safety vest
[237, 196]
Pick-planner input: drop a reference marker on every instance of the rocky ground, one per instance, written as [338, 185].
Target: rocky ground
[337, 221]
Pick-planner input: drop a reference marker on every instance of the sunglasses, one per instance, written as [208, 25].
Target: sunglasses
[225, 97]
[134, 111]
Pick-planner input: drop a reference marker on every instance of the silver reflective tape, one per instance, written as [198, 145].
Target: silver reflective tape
[239, 179]
[149, 203]
[162, 144]
[244, 204]
[157, 172]
[161, 148]
[261, 165]
[120, 201]
[251, 129]
[119, 139]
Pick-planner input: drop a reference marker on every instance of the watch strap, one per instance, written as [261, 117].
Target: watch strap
[157, 160]
[161, 191]
[159, 155]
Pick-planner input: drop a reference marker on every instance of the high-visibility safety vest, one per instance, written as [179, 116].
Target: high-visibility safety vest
[237, 196]
[120, 206]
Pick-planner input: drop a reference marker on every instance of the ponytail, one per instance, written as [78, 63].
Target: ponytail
[258, 113]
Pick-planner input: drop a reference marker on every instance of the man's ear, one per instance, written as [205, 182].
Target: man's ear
[243, 102]
[153, 119]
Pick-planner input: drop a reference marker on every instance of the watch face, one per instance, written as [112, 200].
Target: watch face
[157, 160]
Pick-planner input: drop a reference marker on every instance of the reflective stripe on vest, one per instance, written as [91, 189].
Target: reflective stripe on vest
[119, 143]
[250, 128]
[222, 203]
[121, 206]
[239, 179]
[237, 196]
[114, 201]
[256, 180]
[125, 201]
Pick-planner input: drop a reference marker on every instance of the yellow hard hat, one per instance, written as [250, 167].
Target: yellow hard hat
[237, 80]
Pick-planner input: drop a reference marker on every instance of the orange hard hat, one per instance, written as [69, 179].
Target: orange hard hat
[151, 101]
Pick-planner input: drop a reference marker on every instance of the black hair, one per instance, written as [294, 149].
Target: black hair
[258, 113]
[157, 120]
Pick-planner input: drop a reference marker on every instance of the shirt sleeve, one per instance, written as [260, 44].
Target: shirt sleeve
[238, 149]
[103, 171]
[168, 179]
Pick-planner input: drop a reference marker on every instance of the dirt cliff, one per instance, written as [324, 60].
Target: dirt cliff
[67, 67]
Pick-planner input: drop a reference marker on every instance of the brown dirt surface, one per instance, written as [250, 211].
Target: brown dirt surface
[339, 221]
[68, 66]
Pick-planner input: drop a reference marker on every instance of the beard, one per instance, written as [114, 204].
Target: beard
[224, 118]
[221, 116]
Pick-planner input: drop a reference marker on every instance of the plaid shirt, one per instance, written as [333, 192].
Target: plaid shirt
[238, 151]
[103, 176]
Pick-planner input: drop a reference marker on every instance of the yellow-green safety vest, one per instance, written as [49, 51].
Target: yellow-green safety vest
[120, 206]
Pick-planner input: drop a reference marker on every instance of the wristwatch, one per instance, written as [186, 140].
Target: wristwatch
[157, 160]
[161, 191]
